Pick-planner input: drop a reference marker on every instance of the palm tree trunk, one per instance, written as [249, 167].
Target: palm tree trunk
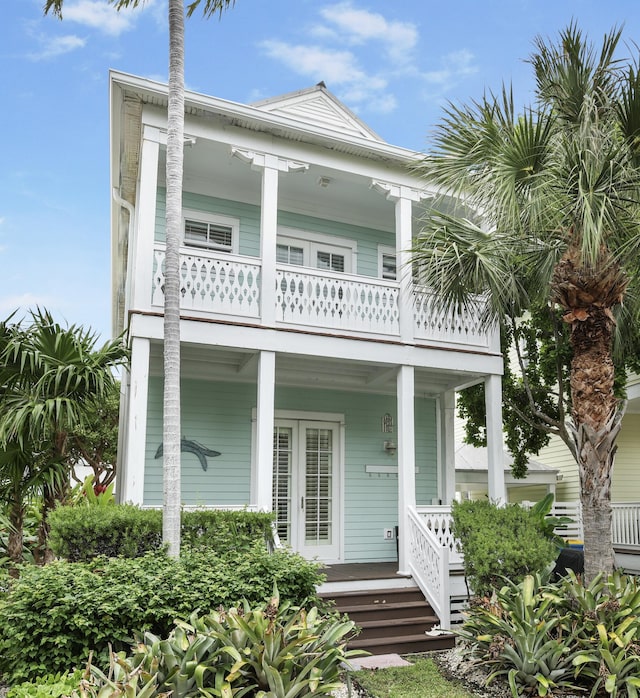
[171, 419]
[15, 541]
[597, 421]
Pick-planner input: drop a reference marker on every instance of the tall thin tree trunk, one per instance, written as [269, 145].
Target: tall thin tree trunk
[15, 542]
[171, 419]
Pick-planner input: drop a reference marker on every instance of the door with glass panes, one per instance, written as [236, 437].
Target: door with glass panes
[306, 471]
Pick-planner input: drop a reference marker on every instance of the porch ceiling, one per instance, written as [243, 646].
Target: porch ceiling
[320, 191]
[221, 364]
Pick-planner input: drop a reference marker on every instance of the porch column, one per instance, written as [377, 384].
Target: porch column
[406, 461]
[264, 430]
[403, 197]
[141, 247]
[271, 166]
[495, 445]
[134, 441]
[447, 446]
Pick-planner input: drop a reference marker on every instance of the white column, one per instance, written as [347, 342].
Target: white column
[271, 165]
[447, 465]
[495, 445]
[404, 210]
[406, 461]
[264, 431]
[403, 197]
[141, 247]
[268, 234]
[135, 437]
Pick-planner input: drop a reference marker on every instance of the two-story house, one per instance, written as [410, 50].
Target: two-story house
[317, 380]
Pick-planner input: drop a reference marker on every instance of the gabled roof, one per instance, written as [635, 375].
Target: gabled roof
[318, 107]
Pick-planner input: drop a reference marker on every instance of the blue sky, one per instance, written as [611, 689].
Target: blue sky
[395, 64]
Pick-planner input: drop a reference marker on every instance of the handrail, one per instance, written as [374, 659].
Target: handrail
[429, 565]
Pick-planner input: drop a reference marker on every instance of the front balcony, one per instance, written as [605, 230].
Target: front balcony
[230, 286]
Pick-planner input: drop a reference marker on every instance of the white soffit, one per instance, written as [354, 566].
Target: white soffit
[318, 107]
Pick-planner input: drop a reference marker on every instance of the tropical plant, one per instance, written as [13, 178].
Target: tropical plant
[540, 637]
[175, 161]
[271, 650]
[549, 214]
[50, 378]
[516, 633]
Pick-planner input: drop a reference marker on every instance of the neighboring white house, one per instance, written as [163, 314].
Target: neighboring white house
[317, 381]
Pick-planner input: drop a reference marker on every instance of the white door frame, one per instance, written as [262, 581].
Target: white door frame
[286, 418]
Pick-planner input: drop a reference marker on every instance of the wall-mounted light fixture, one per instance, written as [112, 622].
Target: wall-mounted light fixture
[390, 447]
[387, 424]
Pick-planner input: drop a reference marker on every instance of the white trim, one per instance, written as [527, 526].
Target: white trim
[215, 219]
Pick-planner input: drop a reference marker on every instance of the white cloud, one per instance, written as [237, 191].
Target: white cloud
[454, 66]
[359, 26]
[51, 47]
[97, 14]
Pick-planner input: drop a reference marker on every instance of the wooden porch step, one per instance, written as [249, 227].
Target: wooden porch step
[404, 644]
[393, 620]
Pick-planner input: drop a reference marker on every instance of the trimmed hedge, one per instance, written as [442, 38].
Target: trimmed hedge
[53, 616]
[80, 534]
[498, 543]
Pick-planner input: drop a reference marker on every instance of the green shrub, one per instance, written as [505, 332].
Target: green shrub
[54, 615]
[50, 686]
[80, 534]
[270, 650]
[225, 531]
[499, 543]
[558, 635]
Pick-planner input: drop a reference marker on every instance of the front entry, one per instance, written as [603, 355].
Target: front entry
[306, 476]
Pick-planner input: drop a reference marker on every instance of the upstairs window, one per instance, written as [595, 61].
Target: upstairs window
[387, 262]
[210, 232]
[307, 249]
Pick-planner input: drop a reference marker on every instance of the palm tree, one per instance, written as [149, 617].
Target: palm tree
[50, 378]
[555, 191]
[175, 158]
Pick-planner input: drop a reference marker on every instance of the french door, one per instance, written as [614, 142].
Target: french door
[306, 476]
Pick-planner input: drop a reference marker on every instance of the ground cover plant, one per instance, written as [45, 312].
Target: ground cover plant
[52, 617]
[545, 637]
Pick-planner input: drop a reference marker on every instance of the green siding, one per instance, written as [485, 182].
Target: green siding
[218, 415]
[367, 240]
[247, 214]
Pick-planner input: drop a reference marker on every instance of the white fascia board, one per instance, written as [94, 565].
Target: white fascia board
[315, 345]
[269, 120]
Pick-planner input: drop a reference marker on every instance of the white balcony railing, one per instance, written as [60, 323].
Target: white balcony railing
[336, 301]
[227, 284]
[223, 283]
[456, 328]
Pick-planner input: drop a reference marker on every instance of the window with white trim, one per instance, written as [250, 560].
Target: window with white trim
[210, 231]
[316, 250]
[387, 262]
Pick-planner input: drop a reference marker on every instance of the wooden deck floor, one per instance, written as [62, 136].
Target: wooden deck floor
[360, 571]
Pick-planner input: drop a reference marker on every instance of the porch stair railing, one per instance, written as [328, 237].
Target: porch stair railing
[429, 566]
